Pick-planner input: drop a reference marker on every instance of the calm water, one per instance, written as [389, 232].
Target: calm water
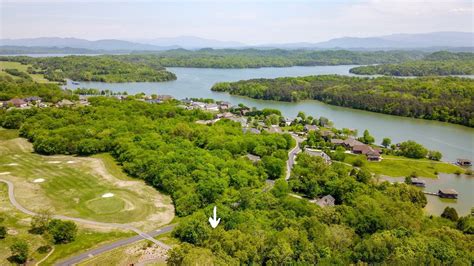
[462, 184]
[453, 141]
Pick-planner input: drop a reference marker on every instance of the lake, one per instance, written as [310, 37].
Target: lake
[454, 141]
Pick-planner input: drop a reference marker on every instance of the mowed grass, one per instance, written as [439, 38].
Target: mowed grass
[74, 186]
[19, 223]
[15, 65]
[397, 166]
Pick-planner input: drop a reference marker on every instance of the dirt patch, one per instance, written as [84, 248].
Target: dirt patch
[5, 173]
[148, 253]
[108, 195]
[12, 232]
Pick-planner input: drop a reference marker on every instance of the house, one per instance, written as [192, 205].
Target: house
[327, 134]
[253, 158]
[164, 97]
[212, 107]
[463, 162]
[350, 142]
[31, 99]
[308, 128]
[250, 130]
[318, 153]
[153, 101]
[207, 122]
[287, 122]
[64, 103]
[448, 193]
[371, 153]
[225, 105]
[326, 201]
[241, 120]
[337, 142]
[274, 129]
[198, 105]
[18, 103]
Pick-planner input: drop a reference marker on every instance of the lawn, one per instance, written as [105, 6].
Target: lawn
[18, 225]
[397, 166]
[15, 65]
[76, 186]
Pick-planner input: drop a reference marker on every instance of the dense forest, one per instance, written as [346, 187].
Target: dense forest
[92, 68]
[447, 99]
[201, 166]
[254, 58]
[25, 87]
[435, 64]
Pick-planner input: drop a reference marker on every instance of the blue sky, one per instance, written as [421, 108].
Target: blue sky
[251, 22]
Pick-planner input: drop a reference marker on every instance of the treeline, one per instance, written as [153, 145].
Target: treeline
[255, 58]
[436, 64]
[448, 99]
[195, 164]
[93, 68]
[205, 166]
[20, 88]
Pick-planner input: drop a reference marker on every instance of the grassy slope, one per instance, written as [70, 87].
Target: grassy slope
[397, 166]
[74, 186]
[36, 77]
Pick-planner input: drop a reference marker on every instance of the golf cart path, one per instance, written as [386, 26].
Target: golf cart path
[141, 235]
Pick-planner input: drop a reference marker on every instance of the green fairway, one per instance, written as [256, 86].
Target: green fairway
[80, 187]
[18, 225]
[15, 65]
[397, 166]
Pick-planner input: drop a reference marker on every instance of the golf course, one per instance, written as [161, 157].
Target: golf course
[90, 188]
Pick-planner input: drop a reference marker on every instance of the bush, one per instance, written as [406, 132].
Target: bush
[44, 249]
[450, 213]
[19, 251]
[358, 162]
[3, 232]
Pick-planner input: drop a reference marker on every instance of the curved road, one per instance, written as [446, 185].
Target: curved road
[141, 235]
[292, 155]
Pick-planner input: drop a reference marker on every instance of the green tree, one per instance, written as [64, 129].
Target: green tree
[40, 222]
[62, 232]
[435, 155]
[412, 149]
[19, 250]
[450, 213]
[367, 138]
[274, 167]
[280, 189]
[386, 142]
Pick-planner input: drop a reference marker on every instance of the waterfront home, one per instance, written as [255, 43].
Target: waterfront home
[32, 99]
[463, 162]
[287, 122]
[212, 107]
[241, 120]
[326, 134]
[326, 201]
[164, 97]
[448, 193]
[225, 105]
[274, 129]
[207, 122]
[153, 101]
[337, 142]
[371, 153]
[318, 153]
[308, 128]
[198, 105]
[18, 103]
[351, 142]
[64, 103]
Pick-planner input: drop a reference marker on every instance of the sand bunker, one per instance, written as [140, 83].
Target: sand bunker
[70, 161]
[107, 195]
[12, 164]
[54, 162]
[38, 180]
[5, 173]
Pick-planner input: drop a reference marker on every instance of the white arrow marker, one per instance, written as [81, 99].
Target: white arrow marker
[213, 220]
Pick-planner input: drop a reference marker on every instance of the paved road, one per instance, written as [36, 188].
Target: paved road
[108, 247]
[141, 235]
[292, 155]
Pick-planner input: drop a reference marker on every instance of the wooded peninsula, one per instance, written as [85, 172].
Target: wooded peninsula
[448, 99]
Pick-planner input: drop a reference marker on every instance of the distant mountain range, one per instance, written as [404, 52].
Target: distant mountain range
[444, 40]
